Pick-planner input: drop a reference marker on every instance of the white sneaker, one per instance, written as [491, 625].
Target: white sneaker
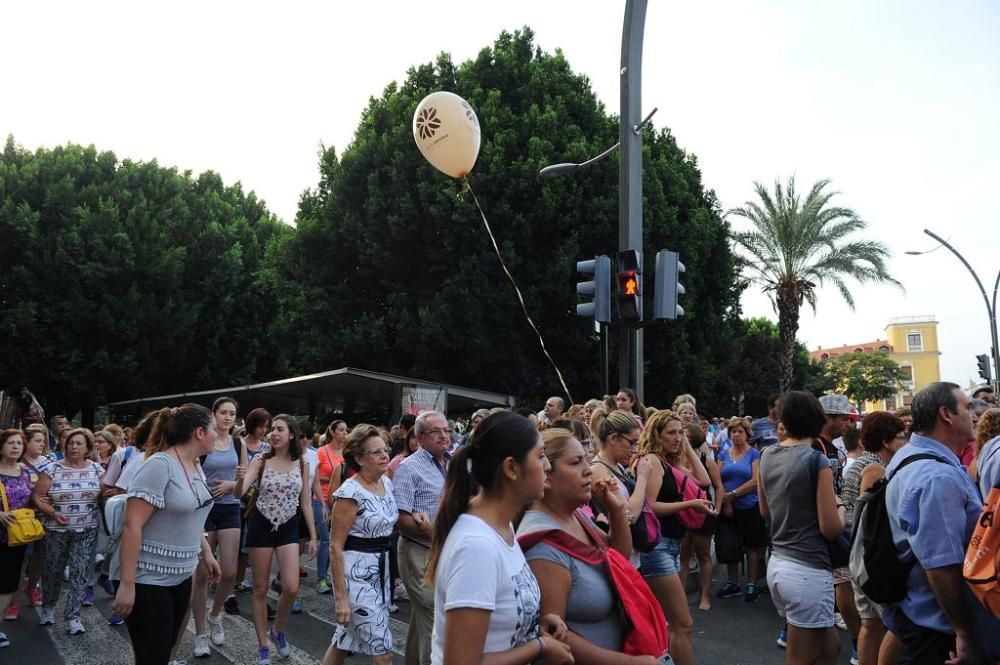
[48, 617]
[399, 593]
[201, 648]
[838, 621]
[75, 627]
[216, 631]
[393, 608]
[178, 662]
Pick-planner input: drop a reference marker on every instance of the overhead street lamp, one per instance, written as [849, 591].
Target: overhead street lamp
[991, 307]
[569, 168]
[630, 357]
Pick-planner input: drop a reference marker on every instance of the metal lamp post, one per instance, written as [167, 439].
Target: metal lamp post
[630, 356]
[991, 307]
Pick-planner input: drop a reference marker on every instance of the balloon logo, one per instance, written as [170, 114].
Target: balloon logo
[446, 130]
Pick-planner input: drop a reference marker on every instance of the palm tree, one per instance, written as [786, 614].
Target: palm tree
[796, 245]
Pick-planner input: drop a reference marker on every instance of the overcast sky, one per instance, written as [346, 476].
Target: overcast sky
[897, 102]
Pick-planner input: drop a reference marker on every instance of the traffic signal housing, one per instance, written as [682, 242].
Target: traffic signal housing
[666, 303]
[983, 361]
[628, 285]
[599, 288]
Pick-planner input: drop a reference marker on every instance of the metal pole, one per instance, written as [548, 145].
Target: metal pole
[630, 356]
[605, 379]
[996, 352]
[990, 309]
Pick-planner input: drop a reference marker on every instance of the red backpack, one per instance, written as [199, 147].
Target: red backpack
[688, 490]
[646, 627]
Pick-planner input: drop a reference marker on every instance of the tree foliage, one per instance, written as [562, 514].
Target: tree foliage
[796, 245]
[865, 377]
[121, 278]
[390, 268]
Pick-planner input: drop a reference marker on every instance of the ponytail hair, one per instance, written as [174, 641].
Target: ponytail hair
[173, 426]
[604, 424]
[477, 467]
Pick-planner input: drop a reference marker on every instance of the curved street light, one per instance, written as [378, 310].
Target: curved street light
[991, 307]
[568, 168]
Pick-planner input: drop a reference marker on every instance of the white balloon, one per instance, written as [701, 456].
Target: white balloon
[446, 130]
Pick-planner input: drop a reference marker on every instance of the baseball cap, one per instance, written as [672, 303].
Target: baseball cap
[835, 405]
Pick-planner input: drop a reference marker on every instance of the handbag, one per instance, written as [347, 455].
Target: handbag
[688, 490]
[25, 528]
[728, 547]
[645, 530]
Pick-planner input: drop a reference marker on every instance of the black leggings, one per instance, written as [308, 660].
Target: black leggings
[156, 619]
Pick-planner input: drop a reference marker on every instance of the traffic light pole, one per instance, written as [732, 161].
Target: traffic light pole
[630, 352]
[991, 309]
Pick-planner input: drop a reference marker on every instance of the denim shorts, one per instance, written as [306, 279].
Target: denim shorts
[663, 561]
[261, 533]
[223, 516]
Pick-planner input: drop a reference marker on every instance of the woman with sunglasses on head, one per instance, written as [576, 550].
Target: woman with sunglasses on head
[664, 444]
[364, 515]
[282, 483]
[162, 539]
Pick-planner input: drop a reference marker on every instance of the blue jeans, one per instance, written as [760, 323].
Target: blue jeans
[323, 549]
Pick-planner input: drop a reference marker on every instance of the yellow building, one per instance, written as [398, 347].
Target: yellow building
[912, 342]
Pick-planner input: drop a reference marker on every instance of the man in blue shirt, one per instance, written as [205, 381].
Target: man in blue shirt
[933, 508]
[763, 428]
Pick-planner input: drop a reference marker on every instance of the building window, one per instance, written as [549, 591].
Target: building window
[908, 381]
[914, 341]
[890, 403]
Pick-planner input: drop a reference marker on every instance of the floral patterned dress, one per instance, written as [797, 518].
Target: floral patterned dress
[366, 573]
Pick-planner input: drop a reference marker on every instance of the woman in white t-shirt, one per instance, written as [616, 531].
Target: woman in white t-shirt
[486, 599]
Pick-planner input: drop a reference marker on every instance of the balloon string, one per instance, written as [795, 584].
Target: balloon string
[517, 290]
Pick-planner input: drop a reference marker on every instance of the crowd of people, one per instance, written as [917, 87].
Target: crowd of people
[564, 535]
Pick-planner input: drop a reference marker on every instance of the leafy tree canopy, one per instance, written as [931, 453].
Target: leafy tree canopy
[388, 268]
[124, 278]
[865, 377]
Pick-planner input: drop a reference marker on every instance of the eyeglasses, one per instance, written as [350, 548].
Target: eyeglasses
[377, 451]
[631, 442]
[438, 431]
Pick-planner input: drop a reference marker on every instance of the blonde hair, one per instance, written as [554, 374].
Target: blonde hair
[604, 424]
[987, 428]
[649, 440]
[556, 439]
[686, 398]
[686, 406]
[736, 421]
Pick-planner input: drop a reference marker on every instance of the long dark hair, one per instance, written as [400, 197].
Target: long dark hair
[294, 445]
[477, 466]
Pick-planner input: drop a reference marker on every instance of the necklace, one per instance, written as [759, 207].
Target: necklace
[197, 499]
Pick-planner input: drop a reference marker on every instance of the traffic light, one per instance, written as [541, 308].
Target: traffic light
[984, 367]
[628, 282]
[668, 285]
[599, 288]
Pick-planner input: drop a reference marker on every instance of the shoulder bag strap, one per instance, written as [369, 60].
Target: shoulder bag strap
[252, 503]
[3, 495]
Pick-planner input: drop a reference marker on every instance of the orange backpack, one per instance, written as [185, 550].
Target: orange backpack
[982, 558]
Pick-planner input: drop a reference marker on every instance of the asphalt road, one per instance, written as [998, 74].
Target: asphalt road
[733, 632]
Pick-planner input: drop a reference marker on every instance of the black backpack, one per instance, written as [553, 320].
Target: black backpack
[237, 444]
[874, 564]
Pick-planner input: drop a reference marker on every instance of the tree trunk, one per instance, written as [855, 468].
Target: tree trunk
[788, 327]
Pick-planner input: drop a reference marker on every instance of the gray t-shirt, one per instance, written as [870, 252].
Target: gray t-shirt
[221, 465]
[592, 608]
[791, 500]
[171, 538]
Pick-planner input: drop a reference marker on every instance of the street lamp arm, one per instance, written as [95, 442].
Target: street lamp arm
[566, 168]
[982, 290]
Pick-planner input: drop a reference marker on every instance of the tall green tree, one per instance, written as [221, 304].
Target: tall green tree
[122, 279]
[865, 377]
[389, 268]
[796, 245]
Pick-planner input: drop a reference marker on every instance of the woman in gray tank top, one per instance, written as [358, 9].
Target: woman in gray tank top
[804, 517]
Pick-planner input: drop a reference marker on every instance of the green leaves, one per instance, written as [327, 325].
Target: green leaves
[865, 377]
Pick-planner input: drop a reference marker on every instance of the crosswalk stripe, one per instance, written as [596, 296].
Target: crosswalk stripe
[100, 645]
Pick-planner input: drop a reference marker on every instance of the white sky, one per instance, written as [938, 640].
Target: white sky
[898, 102]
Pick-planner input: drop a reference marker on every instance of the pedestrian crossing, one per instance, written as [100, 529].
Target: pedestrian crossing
[308, 633]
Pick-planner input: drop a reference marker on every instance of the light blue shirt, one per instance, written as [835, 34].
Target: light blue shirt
[419, 484]
[933, 508]
[988, 466]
